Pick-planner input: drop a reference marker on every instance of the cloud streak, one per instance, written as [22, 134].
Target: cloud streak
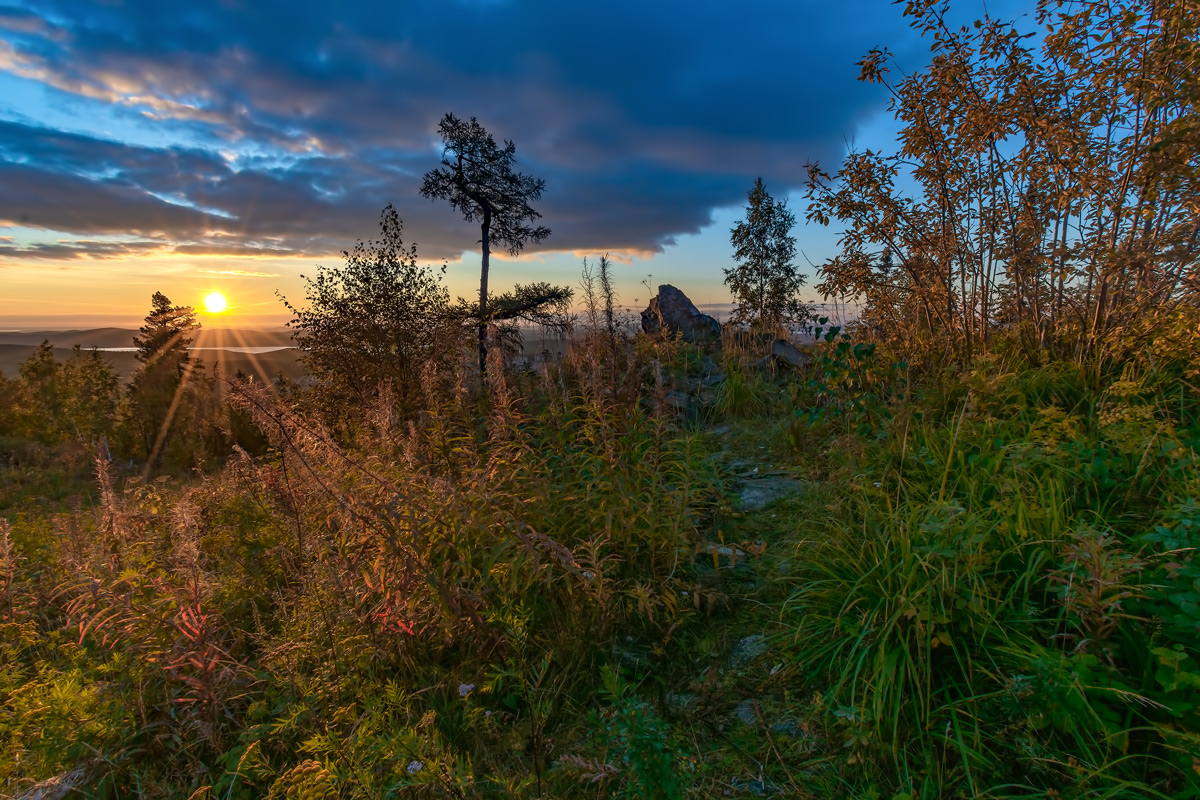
[240, 273]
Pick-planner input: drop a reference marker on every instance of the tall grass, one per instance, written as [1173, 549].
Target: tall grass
[983, 616]
[425, 609]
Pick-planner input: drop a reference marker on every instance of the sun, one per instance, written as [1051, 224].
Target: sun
[214, 303]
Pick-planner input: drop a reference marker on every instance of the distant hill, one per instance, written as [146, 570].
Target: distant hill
[121, 337]
[98, 337]
[263, 365]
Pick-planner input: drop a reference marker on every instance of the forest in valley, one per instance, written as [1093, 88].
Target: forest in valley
[945, 550]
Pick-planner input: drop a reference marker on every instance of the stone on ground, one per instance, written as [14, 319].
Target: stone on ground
[759, 493]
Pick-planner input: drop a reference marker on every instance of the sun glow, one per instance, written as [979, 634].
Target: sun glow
[214, 303]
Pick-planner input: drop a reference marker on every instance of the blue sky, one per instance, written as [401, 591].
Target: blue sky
[235, 144]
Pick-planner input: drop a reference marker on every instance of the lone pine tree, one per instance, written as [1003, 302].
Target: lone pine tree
[478, 179]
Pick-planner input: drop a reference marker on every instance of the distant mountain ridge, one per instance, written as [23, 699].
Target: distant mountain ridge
[264, 366]
[15, 347]
[123, 337]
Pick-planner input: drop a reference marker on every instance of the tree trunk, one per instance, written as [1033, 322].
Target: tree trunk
[483, 294]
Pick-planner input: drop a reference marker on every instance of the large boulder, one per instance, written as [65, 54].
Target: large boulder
[673, 313]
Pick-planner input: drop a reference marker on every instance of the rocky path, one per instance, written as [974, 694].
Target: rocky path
[731, 698]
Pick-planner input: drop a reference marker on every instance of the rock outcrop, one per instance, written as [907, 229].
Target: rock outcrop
[671, 312]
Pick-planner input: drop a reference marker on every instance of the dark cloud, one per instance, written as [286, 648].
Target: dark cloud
[33, 196]
[189, 202]
[303, 121]
[81, 248]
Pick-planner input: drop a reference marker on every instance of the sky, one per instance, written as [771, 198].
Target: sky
[237, 145]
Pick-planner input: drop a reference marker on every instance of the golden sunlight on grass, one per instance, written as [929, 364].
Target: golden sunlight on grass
[214, 303]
